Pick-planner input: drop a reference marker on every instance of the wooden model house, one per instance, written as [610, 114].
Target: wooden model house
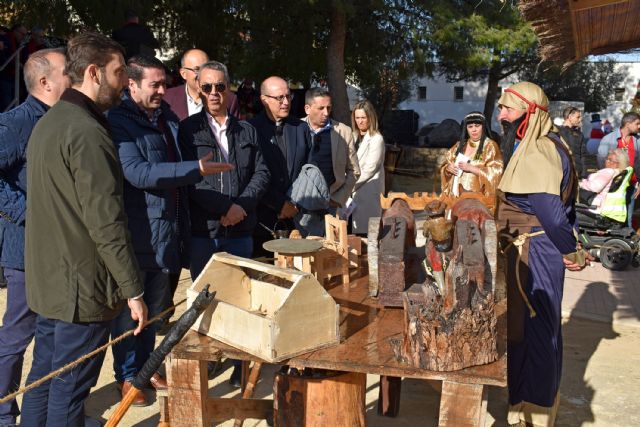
[267, 311]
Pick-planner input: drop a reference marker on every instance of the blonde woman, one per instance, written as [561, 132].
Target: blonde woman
[473, 164]
[370, 151]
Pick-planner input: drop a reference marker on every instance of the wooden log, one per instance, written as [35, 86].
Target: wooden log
[334, 400]
[456, 328]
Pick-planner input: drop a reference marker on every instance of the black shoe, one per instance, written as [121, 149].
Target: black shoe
[236, 377]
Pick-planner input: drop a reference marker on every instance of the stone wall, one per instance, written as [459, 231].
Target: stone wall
[421, 160]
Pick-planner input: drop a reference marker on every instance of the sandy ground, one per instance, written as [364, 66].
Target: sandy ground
[600, 385]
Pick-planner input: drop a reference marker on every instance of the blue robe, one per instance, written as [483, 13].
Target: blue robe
[535, 362]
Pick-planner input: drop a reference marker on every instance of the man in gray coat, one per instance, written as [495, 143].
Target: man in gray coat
[79, 259]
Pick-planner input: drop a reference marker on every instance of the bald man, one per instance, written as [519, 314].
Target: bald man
[185, 99]
[285, 143]
[45, 82]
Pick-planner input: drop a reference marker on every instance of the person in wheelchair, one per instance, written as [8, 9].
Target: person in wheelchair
[603, 193]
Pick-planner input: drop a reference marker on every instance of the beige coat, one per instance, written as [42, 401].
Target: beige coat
[345, 162]
[370, 184]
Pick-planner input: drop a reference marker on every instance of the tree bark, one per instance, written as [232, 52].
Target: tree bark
[492, 92]
[335, 63]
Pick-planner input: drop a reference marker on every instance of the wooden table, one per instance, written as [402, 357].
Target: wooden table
[366, 330]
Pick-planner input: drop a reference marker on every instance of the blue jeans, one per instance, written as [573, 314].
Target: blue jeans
[131, 353]
[16, 332]
[202, 248]
[60, 401]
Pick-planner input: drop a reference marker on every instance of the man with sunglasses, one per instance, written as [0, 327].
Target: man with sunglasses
[222, 206]
[285, 143]
[185, 99]
[333, 150]
[145, 132]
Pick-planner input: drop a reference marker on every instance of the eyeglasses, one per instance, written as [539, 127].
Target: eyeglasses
[194, 70]
[281, 98]
[208, 87]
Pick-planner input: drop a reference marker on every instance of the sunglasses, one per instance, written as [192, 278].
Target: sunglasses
[208, 87]
[281, 98]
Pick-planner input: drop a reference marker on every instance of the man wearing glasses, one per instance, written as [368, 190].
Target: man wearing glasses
[222, 206]
[285, 143]
[185, 99]
[332, 149]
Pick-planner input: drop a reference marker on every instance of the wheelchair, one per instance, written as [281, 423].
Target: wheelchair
[616, 245]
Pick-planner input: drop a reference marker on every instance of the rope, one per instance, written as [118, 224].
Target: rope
[519, 242]
[75, 363]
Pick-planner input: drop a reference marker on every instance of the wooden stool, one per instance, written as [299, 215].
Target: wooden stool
[287, 251]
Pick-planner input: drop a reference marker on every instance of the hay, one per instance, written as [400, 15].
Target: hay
[551, 21]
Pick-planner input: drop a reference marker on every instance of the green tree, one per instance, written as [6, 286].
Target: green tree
[482, 40]
[590, 82]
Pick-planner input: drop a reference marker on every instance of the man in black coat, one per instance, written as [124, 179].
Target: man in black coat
[285, 143]
[571, 132]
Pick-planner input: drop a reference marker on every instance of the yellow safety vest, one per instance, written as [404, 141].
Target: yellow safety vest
[614, 205]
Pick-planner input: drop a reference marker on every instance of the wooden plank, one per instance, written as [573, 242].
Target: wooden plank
[283, 273]
[247, 331]
[222, 409]
[373, 233]
[311, 315]
[461, 405]
[267, 297]
[576, 5]
[188, 388]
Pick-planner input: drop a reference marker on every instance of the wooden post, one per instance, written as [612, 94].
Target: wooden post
[462, 405]
[389, 396]
[336, 400]
[188, 391]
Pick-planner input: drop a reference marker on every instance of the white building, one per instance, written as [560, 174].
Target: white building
[434, 99]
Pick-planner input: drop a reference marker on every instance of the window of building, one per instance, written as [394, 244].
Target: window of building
[458, 93]
[619, 93]
[422, 92]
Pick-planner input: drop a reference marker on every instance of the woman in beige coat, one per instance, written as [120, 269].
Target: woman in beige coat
[370, 151]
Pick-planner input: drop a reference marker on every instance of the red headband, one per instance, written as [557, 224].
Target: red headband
[530, 109]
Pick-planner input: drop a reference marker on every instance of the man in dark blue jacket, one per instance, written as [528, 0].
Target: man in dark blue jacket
[145, 133]
[222, 206]
[45, 82]
[285, 143]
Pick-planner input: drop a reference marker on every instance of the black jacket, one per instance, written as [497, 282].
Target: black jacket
[283, 171]
[209, 199]
[578, 145]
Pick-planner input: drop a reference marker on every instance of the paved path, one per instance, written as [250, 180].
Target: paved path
[596, 293]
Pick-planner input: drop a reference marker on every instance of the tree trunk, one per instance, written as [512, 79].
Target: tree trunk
[335, 63]
[492, 92]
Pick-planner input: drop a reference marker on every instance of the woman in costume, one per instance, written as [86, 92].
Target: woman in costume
[474, 163]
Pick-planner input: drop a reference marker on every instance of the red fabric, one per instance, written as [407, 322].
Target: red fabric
[531, 109]
[597, 133]
[631, 152]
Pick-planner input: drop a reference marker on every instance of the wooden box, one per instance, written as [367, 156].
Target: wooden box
[270, 312]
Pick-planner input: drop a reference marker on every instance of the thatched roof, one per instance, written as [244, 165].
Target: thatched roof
[569, 30]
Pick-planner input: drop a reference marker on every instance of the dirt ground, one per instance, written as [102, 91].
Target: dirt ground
[600, 384]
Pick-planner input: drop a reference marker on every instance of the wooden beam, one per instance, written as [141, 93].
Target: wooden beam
[462, 405]
[577, 5]
[222, 409]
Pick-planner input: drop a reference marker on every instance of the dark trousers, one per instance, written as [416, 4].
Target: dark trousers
[60, 401]
[16, 332]
[132, 352]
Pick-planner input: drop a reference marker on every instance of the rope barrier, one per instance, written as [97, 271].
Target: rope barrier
[75, 363]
